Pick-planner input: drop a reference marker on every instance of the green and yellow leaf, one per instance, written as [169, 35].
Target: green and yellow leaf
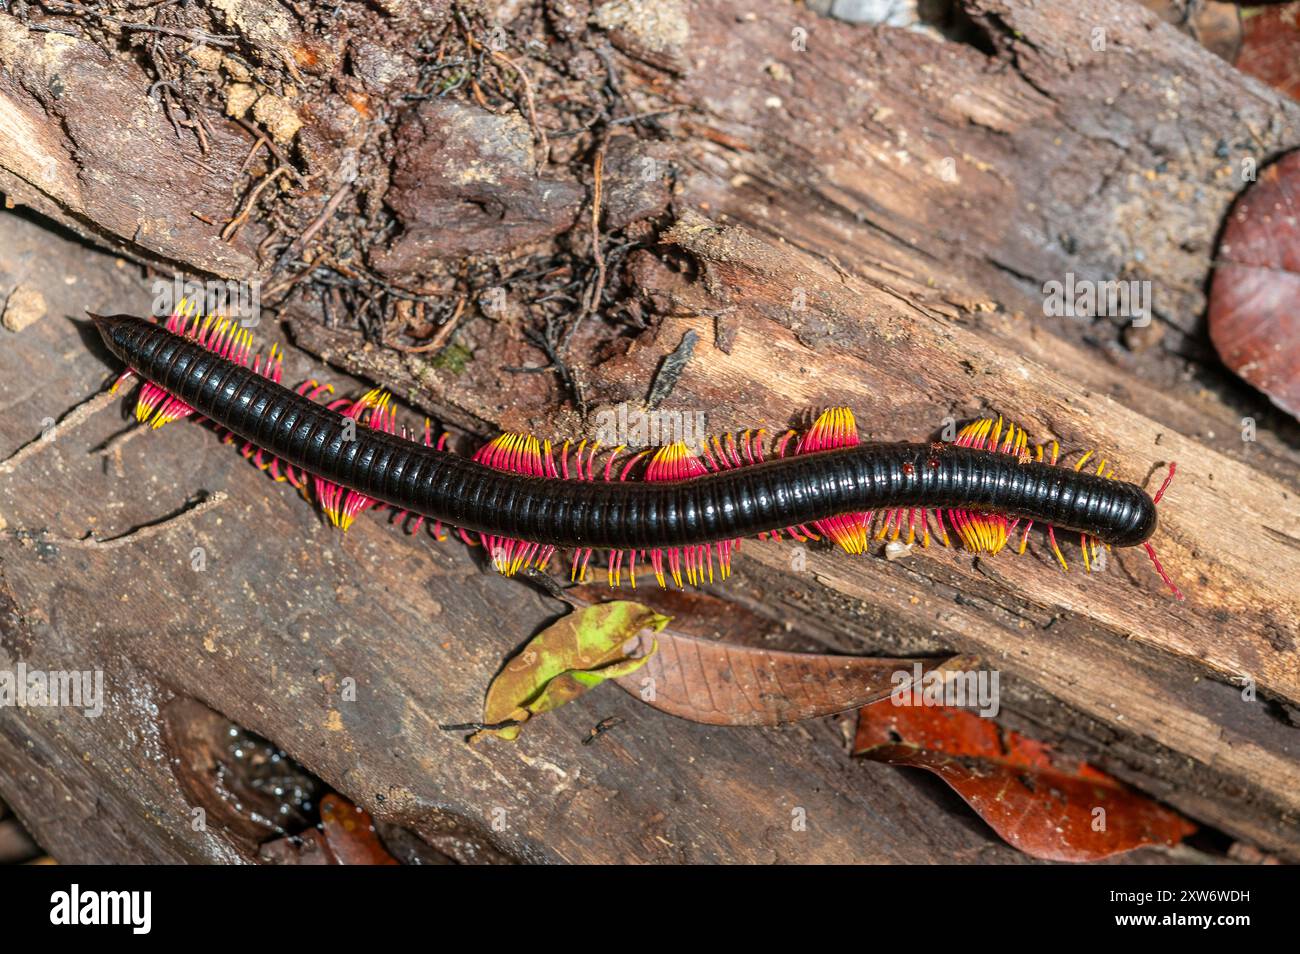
[565, 660]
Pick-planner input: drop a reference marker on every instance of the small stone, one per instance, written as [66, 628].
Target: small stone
[240, 98]
[895, 13]
[278, 116]
[1140, 338]
[637, 178]
[379, 67]
[237, 70]
[656, 31]
[465, 182]
[896, 550]
[25, 306]
[779, 72]
[495, 304]
[208, 58]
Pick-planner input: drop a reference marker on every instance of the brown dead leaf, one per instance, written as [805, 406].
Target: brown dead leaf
[1254, 323]
[725, 684]
[350, 833]
[1270, 46]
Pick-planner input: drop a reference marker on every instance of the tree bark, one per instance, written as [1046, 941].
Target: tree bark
[869, 221]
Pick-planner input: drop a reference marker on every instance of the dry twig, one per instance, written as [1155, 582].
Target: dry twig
[72, 419]
[191, 511]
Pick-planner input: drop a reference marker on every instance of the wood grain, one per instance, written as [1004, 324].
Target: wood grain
[818, 226]
[286, 609]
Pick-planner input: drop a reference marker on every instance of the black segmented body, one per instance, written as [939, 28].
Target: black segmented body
[779, 493]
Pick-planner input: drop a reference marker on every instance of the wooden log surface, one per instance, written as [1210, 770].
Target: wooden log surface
[285, 609]
[869, 222]
[63, 106]
[924, 302]
[1143, 666]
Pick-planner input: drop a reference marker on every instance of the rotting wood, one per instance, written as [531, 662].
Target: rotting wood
[285, 609]
[63, 103]
[921, 299]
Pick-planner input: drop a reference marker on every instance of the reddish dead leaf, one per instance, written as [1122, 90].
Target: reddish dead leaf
[1254, 322]
[1045, 805]
[350, 834]
[1270, 46]
[1215, 24]
[725, 684]
[345, 836]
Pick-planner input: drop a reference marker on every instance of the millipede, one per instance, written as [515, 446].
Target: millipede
[680, 511]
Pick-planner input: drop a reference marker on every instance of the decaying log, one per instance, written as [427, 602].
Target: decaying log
[1112, 645]
[82, 142]
[485, 197]
[862, 217]
[858, 273]
[275, 612]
